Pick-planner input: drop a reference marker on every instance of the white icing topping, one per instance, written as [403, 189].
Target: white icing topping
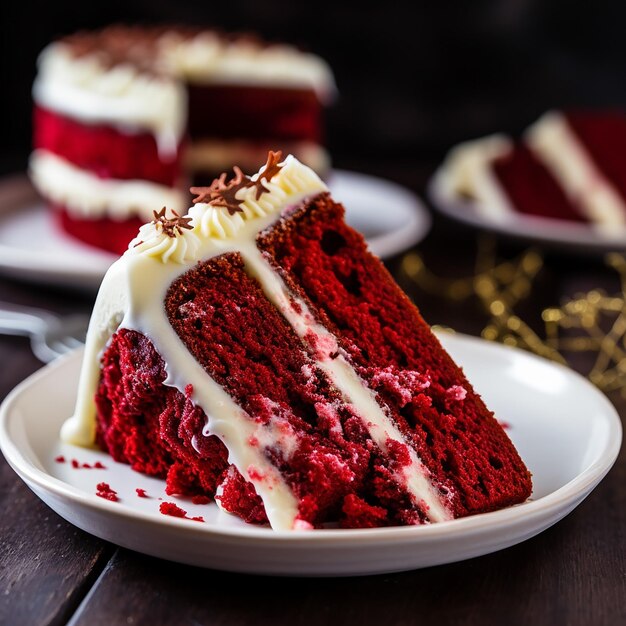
[153, 241]
[556, 144]
[132, 296]
[87, 196]
[84, 88]
[467, 172]
[208, 58]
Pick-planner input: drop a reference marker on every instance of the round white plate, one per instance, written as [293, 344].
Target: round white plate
[573, 236]
[566, 431]
[32, 248]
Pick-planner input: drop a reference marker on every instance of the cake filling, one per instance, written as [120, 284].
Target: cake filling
[86, 195]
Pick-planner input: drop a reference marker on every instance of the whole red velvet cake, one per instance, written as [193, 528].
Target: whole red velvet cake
[253, 351]
[567, 166]
[125, 116]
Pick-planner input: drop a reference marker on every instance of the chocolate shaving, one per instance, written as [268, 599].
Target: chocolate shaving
[222, 193]
[271, 169]
[171, 226]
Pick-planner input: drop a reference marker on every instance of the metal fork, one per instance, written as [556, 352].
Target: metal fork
[50, 335]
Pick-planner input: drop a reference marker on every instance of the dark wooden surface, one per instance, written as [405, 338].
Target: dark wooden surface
[574, 573]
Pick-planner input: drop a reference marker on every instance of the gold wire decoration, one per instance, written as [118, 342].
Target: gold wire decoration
[591, 322]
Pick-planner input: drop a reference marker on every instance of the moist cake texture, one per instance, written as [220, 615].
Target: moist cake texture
[253, 351]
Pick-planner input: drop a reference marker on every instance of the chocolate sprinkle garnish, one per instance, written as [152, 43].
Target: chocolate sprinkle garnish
[271, 169]
[222, 193]
[171, 226]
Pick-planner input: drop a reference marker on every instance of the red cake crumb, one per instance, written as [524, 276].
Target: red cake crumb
[141, 493]
[200, 499]
[358, 514]
[60, 459]
[104, 491]
[504, 424]
[169, 508]
[76, 464]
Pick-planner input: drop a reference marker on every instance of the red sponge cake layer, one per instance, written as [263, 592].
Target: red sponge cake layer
[105, 232]
[604, 138]
[456, 437]
[154, 428]
[104, 151]
[533, 190]
[254, 113]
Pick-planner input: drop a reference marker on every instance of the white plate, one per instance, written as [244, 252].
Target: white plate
[566, 431]
[32, 248]
[573, 236]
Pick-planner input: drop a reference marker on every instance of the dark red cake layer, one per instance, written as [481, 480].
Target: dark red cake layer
[531, 187]
[105, 233]
[457, 438]
[245, 344]
[254, 113]
[154, 428]
[604, 137]
[104, 151]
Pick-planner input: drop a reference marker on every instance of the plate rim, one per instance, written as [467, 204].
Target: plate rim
[574, 491]
[560, 233]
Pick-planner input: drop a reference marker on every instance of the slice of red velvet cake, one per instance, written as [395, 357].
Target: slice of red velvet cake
[568, 166]
[255, 352]
[124, 116]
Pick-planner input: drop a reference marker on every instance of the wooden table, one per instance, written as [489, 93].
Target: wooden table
[574, 573]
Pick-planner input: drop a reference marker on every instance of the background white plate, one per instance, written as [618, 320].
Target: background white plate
[566, 431]
[562, 234]
[390, 216]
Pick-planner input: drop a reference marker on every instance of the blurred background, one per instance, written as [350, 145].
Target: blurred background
[414, 77]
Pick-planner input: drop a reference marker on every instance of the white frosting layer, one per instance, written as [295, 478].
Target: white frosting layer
[87, 196]
[83, 88]
[556, 144]
[468, 173]
[132, 296]
[208, 58]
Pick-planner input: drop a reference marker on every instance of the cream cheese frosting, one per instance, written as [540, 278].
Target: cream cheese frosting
[87, 89]
[210, 58]
[132, 296]
[87, 196]
[467, 173]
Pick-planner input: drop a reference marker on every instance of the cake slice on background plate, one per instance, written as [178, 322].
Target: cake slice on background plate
[569, 165]
[254, 351]
[124, 117]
